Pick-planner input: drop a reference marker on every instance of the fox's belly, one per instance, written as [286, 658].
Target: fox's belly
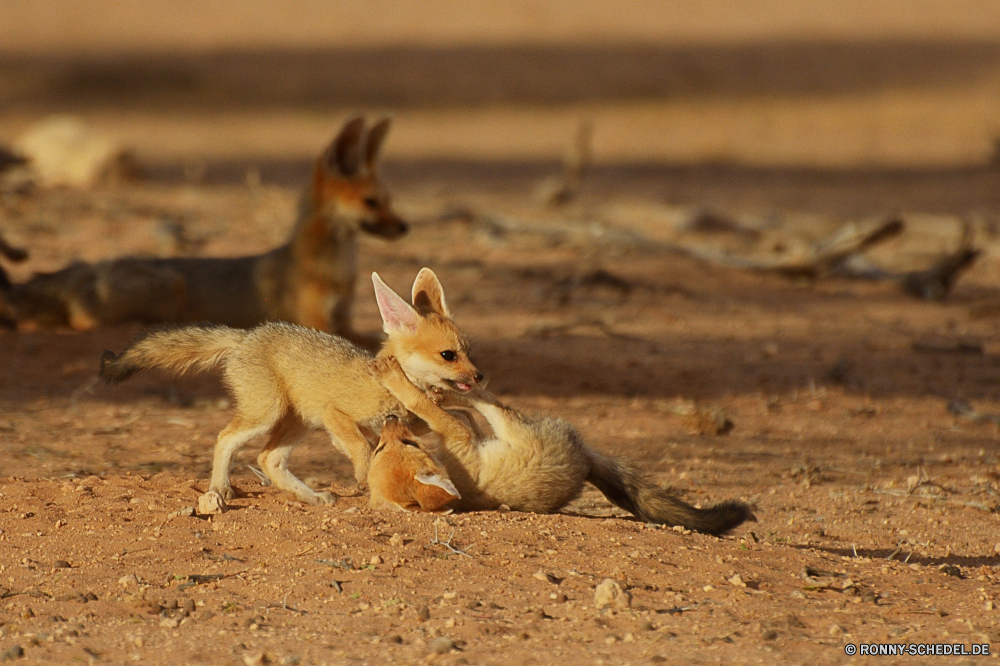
[541, 479]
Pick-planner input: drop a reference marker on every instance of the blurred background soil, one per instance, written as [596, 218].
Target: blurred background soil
[863, 421]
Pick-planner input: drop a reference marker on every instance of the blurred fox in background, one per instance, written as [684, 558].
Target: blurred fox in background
[309, 280]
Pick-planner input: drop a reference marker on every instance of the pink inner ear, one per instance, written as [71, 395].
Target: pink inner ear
[444, 484]
[396, 313]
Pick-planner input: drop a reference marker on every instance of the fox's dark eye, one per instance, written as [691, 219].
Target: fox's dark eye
[370, 202]
[448, 355]
[410, 442]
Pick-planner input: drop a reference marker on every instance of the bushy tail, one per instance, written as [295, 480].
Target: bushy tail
[630, 489]
[177, 350]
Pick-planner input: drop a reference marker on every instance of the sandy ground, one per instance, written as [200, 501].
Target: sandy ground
[877, 504]
[842, 439]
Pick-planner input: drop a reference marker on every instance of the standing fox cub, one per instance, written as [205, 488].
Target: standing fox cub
[287, 379]
[309, 280]
[529, 463]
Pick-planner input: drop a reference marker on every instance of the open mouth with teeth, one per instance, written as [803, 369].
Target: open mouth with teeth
[461, 387]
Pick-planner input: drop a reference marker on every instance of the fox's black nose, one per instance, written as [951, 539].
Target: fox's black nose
[479, 377]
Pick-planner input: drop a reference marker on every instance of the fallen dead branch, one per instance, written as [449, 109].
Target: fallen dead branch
[964, 410]
[960, 347]
[936, 282]
[830, 257]
[436, 541]
[826, 257]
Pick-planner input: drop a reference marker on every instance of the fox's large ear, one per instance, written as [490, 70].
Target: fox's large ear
[376, 137]
[428, 294]
[445, 484]
[343, 156]
[397, 314]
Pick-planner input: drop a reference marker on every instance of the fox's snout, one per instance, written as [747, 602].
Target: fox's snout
[464, 383]
[386, 225]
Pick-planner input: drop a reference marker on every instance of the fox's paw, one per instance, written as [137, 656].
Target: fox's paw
[385, 365]
[435, 395]
[225, 492]
[390, 374]
[322, 498]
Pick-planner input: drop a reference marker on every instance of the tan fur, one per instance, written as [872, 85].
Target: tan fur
[399, 462]
[287, 380]
[539, 464]
[309, 280]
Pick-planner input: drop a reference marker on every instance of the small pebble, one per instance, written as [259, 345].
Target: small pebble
[442, 645]
[12, 653]
[610, 593]
[473, 605]
[769, 635]
[256, 659]
[186, 512]
[395, 638]
[211, 503]
[61, 564]
[396, 541]
[206, 615]
[189, 606]
[128, 580]
[423, 613]
[376, 560]
[545, 577]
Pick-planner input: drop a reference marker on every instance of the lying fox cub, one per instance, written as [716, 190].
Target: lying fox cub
[530, 463]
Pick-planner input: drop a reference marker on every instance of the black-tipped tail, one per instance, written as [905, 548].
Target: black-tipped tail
[630, 489]
[114, 370]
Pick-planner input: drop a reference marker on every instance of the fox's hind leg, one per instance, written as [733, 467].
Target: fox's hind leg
[287, 433]
[346, 435]
[232, 437]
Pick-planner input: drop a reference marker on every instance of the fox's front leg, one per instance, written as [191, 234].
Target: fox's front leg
[390, 374]
[503, 420]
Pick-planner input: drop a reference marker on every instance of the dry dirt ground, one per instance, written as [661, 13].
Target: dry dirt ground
[877, 504]
[877, 507]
